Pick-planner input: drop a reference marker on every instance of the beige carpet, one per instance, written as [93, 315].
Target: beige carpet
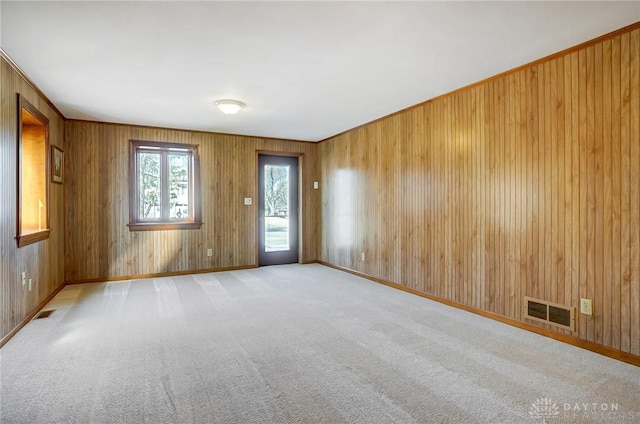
[294, 344]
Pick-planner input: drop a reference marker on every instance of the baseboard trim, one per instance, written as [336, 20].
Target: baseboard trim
[29, 317]
[160, 274]
[566, 338]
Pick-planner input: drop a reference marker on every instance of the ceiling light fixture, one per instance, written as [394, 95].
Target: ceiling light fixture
[229, 107]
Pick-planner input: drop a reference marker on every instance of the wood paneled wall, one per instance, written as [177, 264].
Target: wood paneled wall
[43, 261]
[525, 185]
[99, 244]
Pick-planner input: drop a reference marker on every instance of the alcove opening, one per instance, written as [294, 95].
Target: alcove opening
[33, 172]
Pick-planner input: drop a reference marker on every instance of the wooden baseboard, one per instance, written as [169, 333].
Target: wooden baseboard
[566, 338]
[29, 317]
[170, 274]
[160, 274]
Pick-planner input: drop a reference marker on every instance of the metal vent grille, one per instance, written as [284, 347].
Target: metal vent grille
[550, 313]
[44, 314]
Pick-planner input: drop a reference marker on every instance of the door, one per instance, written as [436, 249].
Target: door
[278, 210]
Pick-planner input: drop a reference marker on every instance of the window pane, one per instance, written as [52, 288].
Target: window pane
[164, 186]
[149, 180]
[178, 186]
[276, 208]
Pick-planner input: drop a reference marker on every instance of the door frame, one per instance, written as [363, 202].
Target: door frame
[256, 196]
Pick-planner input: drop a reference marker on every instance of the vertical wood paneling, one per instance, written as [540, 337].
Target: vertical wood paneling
[616, 193]
[606, 131]
[633, 225]
[527, 184]
[576, 199]
[580, 107]
[99, 243]
[537, 232]
[625, 244]
[42, 261]
[592, 161]
[598, 194]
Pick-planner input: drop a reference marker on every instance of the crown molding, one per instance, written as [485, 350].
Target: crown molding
[5, 56]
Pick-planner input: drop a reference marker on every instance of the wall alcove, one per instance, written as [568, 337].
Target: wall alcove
[33, 171]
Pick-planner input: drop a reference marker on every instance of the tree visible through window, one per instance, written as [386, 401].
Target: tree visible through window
[276, 190]
[164, 186]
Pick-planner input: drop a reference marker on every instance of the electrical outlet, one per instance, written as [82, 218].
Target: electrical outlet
[585, 306]
[209, 252]
[362, 257]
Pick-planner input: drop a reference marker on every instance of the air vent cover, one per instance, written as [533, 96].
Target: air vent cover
[550, 313]
[561, 316]
[44, 314]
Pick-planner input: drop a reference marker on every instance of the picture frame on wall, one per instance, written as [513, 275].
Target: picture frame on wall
[57, 165]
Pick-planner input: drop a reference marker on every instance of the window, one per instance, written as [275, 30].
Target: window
[33, 182]
[164, 186]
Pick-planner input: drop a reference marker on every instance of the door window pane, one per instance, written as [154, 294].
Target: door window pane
[276, 208]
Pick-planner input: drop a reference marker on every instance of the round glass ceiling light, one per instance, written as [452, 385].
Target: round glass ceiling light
[229, 106]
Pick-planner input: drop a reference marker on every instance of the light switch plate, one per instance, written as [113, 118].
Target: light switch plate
[316, 185]
[248, 201]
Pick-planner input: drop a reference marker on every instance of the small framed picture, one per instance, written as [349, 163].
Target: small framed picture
[57, 164]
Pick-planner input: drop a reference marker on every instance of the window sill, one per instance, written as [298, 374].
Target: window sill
[161, 226]
[30, 238]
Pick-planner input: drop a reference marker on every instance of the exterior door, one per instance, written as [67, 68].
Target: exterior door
[278, 210]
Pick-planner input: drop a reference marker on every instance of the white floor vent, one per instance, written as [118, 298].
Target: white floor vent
[550, 313]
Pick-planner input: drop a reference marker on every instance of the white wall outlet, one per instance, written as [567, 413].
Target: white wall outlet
[248, 201]
[209, 252]
[30, 283]
[362, 257]
[24, 278]
[585, 306]
[316, 185]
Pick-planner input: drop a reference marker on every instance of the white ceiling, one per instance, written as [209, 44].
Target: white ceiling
[306, 70]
